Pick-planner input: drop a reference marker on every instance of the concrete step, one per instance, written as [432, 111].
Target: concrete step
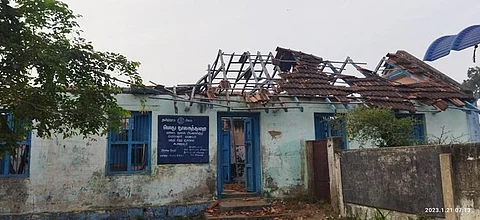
[228, 194]
[243, 217]
[242, 205]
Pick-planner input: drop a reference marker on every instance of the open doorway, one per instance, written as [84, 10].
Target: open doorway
[235, 179]
[239, 153]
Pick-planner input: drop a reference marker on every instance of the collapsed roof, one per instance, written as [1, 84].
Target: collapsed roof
[399, 81]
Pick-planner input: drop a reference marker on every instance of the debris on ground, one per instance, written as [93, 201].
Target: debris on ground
[300, 210]
[235, 186]
[284, 210]
[213, 205]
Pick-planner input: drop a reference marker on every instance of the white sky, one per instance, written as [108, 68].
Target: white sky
[176, 39]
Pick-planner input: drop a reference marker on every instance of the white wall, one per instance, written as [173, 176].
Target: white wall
[452, 123]
[69, 175]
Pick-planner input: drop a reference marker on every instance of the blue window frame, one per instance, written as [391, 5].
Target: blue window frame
[17, 162]
[418, 134]
[129, 147]
[324, 128]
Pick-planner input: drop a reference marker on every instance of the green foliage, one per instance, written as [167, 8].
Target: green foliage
[52, 76]
[10, 134]
[424, 217]
[378, 125]
[473, 81]
[378, 215]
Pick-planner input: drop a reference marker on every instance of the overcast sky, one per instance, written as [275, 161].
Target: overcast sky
[176, 39]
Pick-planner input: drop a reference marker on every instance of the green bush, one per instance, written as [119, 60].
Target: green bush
[378, 125]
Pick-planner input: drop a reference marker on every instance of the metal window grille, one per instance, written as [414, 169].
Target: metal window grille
[129, 147]
[16, 163]
[418, 134]
[325, 127]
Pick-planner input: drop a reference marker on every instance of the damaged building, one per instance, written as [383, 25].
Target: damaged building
[244, 123]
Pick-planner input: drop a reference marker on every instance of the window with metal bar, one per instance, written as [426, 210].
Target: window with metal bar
[418, 134]
[129, 146]
[15, 162]
[326, 126]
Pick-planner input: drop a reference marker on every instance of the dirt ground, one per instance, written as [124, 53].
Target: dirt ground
[291, 209]
[303, 210]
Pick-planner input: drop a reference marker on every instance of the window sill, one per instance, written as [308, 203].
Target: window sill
[128, 173]
[21, 176]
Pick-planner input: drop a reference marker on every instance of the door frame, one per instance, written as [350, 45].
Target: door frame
[255, 145]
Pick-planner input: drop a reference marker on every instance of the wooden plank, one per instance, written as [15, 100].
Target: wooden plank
[321, 171]
[309, 162]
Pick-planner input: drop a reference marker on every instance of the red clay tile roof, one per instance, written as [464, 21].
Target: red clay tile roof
[410, 63]
[304, 76]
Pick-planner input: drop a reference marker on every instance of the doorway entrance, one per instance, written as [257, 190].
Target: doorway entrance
[238, 152]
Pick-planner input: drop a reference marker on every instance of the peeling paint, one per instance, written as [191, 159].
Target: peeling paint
[270, 184]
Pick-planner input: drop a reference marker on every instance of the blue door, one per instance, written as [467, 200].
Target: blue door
[226, 137]
[252, 170]
[249, 168]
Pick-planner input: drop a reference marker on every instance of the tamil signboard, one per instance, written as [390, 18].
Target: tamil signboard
[182, 139]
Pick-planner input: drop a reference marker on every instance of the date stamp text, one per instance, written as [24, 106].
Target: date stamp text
[441, 210]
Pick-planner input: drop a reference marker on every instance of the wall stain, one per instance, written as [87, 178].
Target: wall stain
[302, 160]
[14, 190]
[270, 183]
[211, 185]
[295, 190]
[275, 134]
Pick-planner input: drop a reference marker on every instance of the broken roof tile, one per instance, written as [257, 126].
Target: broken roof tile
[301, 74]
[307, 79]
[342, 99]
[412, 64]
[457, 102]
[440, 104]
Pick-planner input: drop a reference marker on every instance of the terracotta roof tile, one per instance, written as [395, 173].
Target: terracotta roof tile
[307, 79]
